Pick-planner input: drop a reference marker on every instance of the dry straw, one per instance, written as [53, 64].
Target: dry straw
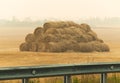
[24, 47]
[32, 46]
[63, 36]
[52, 38]
[100, 47]
[86, 47]
[85, 27]
[59, 24]
[30, 38]
[38, 31]
[55, 47]
[41, 47]
[51, 31]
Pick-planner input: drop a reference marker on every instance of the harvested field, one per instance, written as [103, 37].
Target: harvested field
[11, 56]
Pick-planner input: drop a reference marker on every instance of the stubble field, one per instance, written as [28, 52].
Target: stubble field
[11, 56]
[10, 39]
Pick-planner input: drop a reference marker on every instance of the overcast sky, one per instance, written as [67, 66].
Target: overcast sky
[37, 9]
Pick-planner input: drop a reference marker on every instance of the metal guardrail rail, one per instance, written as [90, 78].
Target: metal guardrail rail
[67, 71]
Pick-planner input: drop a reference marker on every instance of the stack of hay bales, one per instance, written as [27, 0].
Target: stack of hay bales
[63, 37]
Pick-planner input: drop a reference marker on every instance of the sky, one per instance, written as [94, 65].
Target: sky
[61, 9]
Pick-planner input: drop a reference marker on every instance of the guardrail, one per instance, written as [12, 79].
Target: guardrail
[67, 71]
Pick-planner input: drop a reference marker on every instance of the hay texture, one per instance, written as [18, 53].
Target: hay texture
[63, 36]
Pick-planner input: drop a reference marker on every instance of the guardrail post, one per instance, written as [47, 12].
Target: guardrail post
[25, 80]
[67, 79]
[103, 78]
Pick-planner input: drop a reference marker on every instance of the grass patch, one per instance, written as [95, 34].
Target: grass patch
[112, 78]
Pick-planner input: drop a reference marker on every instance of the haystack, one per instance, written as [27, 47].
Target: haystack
[24, 47]
[38, 31]
[30, 38]
[63, 36]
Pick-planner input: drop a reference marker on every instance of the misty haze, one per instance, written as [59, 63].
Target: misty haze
[66, 18]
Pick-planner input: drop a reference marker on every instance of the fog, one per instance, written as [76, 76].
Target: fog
[60, 9]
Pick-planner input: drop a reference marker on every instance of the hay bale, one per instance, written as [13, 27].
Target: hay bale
[51, 38]
[24, 47]
[63, 46]
[78, 31]
[51, 24]
[93, 34]
[28, 47]
[105, 47]
[32, 46]
[38, 31]
[85, 47]
[100, 47]
[51, 31]
[30, 38]
[63, 36]
[61, 31]
[55, 47]
[69, 31]
[71, 45]
[85, 27]
[40, 38]
[59, 24]
[41, 47]
[100, 40]
[89, 38]
[83, 38]
[71, 23]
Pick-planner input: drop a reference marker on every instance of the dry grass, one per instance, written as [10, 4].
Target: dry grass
[16, 58]
[10, 55]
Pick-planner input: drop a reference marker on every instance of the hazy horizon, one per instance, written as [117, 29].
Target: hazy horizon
[59, 9]
[96, 13]
[29, 22]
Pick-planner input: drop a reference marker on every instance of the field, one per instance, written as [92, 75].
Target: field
[10, 39]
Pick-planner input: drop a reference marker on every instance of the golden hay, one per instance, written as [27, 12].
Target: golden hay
[28, 47]
[69, 31]
[24, 47]
[61, 31]
[32, 46]
[41, 47]
[83, 38]
[40, 38]
[86, 47]
[100, 47]
[100, 40]
[59, 24]
[38, 31]
[55, 47]
[63, 37]
[71, 45]
[104, 47]
[78, 31]
[30, 38]
[93, 34]
[85, 27]
[51, 38]
[51, 31]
